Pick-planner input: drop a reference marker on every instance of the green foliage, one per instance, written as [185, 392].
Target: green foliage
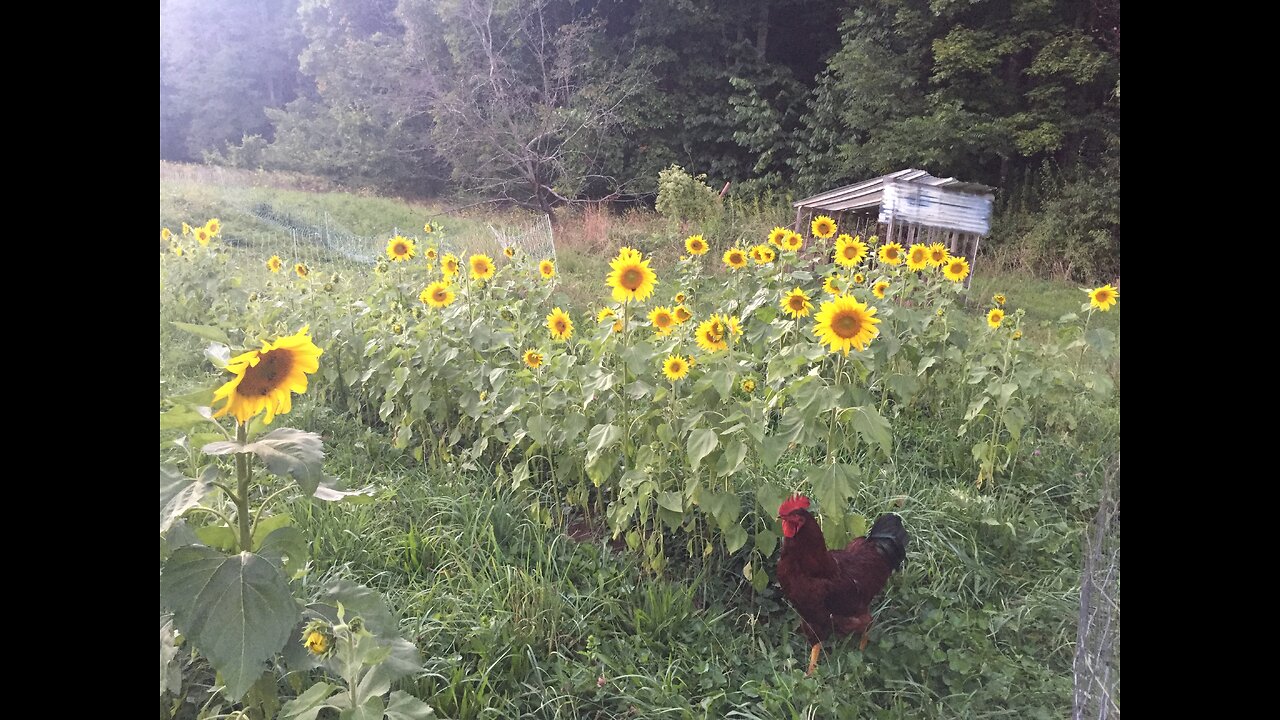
[686, 199]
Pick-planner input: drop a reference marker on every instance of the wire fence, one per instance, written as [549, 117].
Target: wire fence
[1097, 659]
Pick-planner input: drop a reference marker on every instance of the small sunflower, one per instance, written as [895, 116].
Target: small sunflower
[663, 320]
[823, 227]
[696, 245]
[675, 367]
[748, 386]
[509, 251]
[859, 278]
[547, 269]
[560, 325]
[437, 295]
[214, 226]
[831, 285]
[735, 258]
[165, 234]
[430, 254]
[937, 254]
[401, 248]
[317, 643]
[955, 269]
[796, 304]
[995, 317]
[1104, 297]
[533, 359]
[604, 314]
[631, 278]
[426, 228]
[732, 322]
[679, 298]
[682, 314]
[998, 299]
[918, 257]
[845, 323]
[481, 267]
[186, 229]
[1017, 334]
[891, 254]
[763, 254]
[176, 249]
[793, 242]
[693, 361]
[265, 379]
[301, 270]
[850, 251]
[880, 288]
[711, 335]
[275, 263]
[203, 236]
[617, 325]
[777, 235]
[449, 265]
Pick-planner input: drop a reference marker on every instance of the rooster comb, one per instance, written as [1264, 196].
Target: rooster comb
[795, 502]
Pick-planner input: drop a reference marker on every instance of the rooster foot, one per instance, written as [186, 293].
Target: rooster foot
[813, 659]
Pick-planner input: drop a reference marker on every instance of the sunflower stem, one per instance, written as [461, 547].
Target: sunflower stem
[258, 514]
[831, 424]
[1080, 360]
[230, 493]
[626, 418]
[209, 511]
[242, 495]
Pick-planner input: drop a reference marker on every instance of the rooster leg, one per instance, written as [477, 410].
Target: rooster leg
[863, 645]
[813, 658]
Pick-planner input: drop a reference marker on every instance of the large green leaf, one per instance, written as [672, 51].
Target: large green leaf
[170, 668]
[701, 442]
[873, 428]
[732, 458]
[603, 436]
[179, 493]
[308, 705]
[401, 659]
[771, 448]
[286, 452]
[208, 332]
[404, 706]
[356, 600]
[237, 610]
[833, 485]
[770, 497]
[288, 546]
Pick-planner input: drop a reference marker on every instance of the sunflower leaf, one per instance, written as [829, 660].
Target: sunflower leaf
[208, 332]
[179, 493]
[701, 442]
[236, 610]
[286, 452]
[218, 354]
[873, 428]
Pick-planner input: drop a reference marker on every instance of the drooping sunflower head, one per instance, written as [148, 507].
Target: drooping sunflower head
[1017, 334]
[449, 265]
[823, 227]
[203, 236]
[509, 251]
[317, 643]
[675, 367]
[617, 325]
[401, 248]
[937, 254]
[631, 278]
[763, 254]
[999, 299]
[891, 254]
[777, 235]
[918, 257]
[214, 226]
[679, 298]
[1104, 297]
[956, 269]
[605, 313]
[793, 242]
[995, 317]
[559, 324]
[165, 234]
[547, 269]
[438, 294]
[481, 267]
[796, 304]
[682, 314]
[275, 263]
[533, 359]
[845, 324]
[663, 320]
[711, 335]
[696, 245]
[850, 251]
[265, 379]
[833, 285]
[301, 270]
[880, 288]
[735, 258]
[748, 386]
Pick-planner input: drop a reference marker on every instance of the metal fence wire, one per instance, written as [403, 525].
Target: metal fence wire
[1097, 658]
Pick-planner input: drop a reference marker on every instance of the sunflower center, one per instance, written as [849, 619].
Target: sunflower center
[439, 295]
[735, 258]
[846, 325]
[663, 320]
[849, 252]
[891, 253]
[917, 256]
[631, 278]
[267, 376]
[797, 303]
[400, 249]
[1103, 296]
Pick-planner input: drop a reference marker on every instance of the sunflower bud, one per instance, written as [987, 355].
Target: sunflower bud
[317, 638]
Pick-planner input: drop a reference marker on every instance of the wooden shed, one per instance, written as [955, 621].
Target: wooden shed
[908, 206]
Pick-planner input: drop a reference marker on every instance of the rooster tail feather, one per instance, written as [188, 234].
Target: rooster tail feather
[891, 538]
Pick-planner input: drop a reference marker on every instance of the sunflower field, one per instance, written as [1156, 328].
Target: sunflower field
[496, 501]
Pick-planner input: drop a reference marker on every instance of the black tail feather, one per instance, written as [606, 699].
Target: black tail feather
[891, 537]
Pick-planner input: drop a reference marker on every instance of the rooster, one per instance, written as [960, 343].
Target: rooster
[834, 590]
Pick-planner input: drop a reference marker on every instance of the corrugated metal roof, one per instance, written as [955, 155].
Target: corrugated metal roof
[867, 195]
[935, 206]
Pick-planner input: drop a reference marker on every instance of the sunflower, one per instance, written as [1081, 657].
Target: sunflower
[731, 322]
[176, 249]
[202, 236]
[401, 248]
[560, 325]
[675, 367]
[955, 269]
[301, 270]
[604, 314]
[533, 359]
[617, 325]
[793, 242]
[165, 234]
[509, 251]
[859, 278]
[823, 227]
[266, 378]
[831, 285]
[711, 334]
[426, 228]
[1104, 297]
[481, 267]
[186, 229]
[845, 323]
[679, 298]
[998, 299]
[682, 314]
[214, 226]
[449, 265]
[1017, 334]
[879, 288]
[777, 236]
[763, 254]
[693, 361]
[547, 269]
[748, 386]
[275, 263]
[663, 320]
[918, 257]
[735, 258]
[891, 254]
[437, 295]
[796, 303]
[995, 317]
[850, 250]
[429, 254]
[317, 643]
[631, 278]
[695, 245]
[937, 254]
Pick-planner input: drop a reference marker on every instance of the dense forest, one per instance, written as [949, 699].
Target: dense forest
[547, 102]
